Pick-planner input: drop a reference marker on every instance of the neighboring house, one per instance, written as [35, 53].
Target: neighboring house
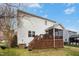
[30, 25]
[68, 34]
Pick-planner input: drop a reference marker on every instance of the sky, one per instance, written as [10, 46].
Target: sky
[66, 14]
[63, 13]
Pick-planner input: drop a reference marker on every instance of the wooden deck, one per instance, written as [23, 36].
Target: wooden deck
[47, 41]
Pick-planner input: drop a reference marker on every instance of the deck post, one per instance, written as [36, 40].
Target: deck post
[54, 36]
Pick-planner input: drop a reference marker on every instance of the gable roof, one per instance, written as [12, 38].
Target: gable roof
[54, 27]
[35, 15]
[71, 31]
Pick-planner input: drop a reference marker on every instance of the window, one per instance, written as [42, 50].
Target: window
[45, 22]
[66, 40]
[31, 33]
[58, 33]
[51, 32]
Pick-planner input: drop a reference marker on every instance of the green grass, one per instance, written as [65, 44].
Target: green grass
[72, 51]
[66, 51]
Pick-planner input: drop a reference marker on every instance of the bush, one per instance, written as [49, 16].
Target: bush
[29, 49]
[2, 47]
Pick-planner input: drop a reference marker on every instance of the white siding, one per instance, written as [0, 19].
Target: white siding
[68, 34]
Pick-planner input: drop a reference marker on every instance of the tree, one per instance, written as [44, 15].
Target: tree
[8, 12]
[7, 15]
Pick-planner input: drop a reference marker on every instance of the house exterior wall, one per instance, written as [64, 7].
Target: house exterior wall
[66, 36]
[31, 23]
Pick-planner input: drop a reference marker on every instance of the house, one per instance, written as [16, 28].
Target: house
[30, 26]
[38, 32]
[67, 35]
[74, 40]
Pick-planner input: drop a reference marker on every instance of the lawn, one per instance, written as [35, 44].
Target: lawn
[66, 51]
